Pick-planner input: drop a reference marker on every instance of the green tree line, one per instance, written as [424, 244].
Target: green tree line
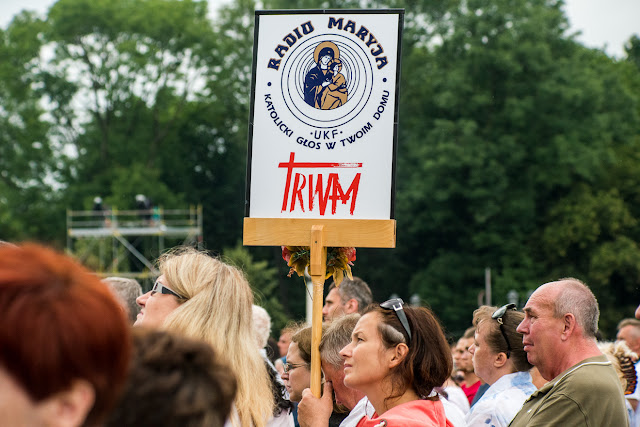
[518, 148]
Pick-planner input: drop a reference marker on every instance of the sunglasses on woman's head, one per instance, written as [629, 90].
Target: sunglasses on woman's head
[396, 304]
[498, 315]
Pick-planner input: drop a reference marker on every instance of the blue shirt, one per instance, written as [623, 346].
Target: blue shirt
[502, 401]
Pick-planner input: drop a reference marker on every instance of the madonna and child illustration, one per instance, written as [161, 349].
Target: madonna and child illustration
[325, 87]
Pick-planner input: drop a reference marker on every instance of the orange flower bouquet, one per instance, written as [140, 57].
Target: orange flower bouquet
[339, 261]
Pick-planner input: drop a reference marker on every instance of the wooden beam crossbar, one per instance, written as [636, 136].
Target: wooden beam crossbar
[357, 233]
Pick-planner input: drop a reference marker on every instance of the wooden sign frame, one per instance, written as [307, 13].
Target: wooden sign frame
[318, 235]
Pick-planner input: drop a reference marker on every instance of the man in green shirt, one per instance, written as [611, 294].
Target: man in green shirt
[559, 328]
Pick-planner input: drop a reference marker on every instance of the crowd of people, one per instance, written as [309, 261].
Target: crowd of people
[193, 351]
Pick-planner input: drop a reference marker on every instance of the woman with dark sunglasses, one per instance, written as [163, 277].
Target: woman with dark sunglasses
[397, 356]
[157, 304]
[201, 297]
[500, 360]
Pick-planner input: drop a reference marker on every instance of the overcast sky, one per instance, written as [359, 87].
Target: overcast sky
[604, 23]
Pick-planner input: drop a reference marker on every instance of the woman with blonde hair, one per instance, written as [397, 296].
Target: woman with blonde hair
[204, 298]
[623, 361]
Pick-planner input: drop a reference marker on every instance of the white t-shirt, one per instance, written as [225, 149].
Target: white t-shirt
[456, 396]
[453, 413]
[356, 414]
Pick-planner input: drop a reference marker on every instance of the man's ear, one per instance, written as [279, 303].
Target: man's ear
[569, 324]
[398, 354]
[351, 306]
[70, 407]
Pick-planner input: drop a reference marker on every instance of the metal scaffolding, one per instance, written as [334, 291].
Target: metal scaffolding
[114, 242]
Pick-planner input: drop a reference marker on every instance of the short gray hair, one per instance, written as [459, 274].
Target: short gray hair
[576, 298]
[261, 326]
[630, 322]
[354, 289]
[337, 335]
[127, 290]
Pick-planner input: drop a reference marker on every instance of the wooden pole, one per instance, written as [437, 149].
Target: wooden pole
[317, 271]
[325, 233]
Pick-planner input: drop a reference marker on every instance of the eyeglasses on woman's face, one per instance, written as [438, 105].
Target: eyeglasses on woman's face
[288, 367]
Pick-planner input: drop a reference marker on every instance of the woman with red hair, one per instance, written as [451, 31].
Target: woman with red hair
[64, 341]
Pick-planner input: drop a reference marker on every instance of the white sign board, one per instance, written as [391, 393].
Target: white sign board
[323, 123]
